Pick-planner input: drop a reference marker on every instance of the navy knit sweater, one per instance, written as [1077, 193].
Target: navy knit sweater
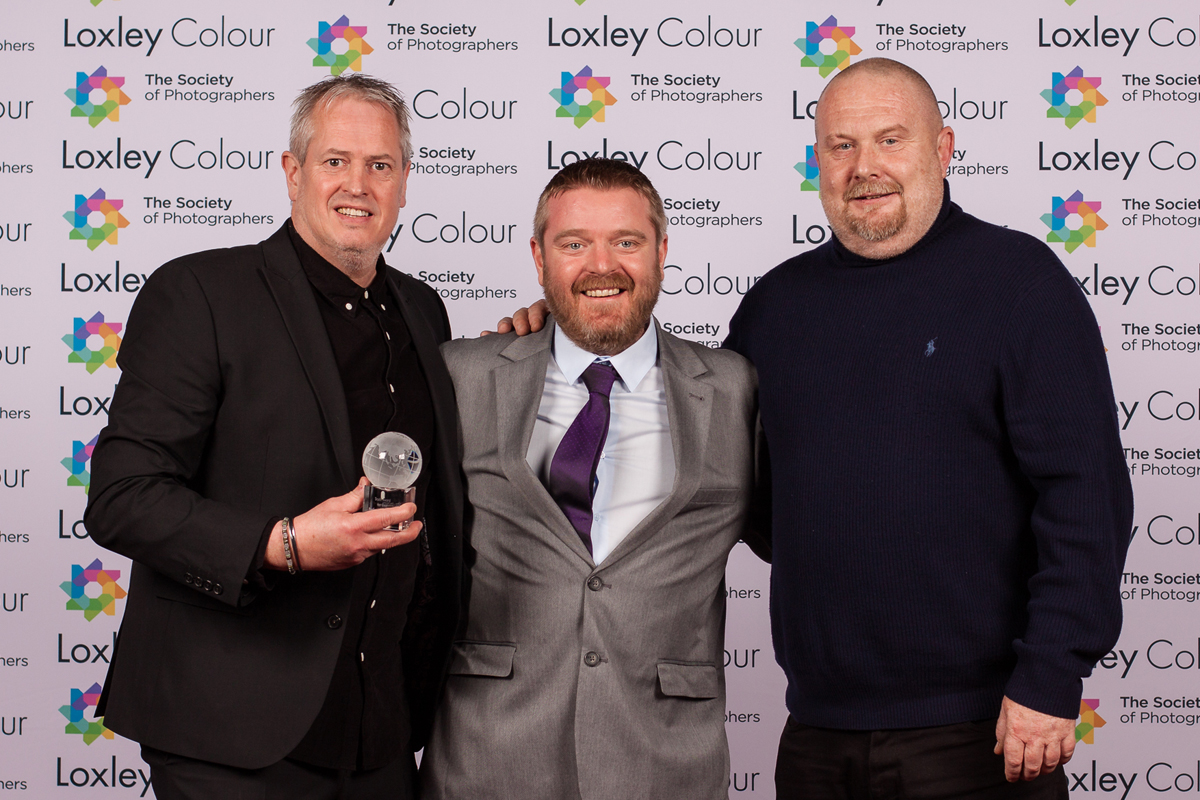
[951, 506]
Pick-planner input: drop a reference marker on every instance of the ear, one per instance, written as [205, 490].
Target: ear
[404, 183]
[662, 258]
[537, 259]
[291, 172]
[945, 146]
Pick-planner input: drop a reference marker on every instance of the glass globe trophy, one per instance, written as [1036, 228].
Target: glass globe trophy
[391, 462]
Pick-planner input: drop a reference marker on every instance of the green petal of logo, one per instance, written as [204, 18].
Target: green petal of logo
[810, 170]
[569, 106]
[81, 351]
[357, 47]
[1085, 234]
[81, 701]
[1089, 720]
[110, 591]
[98, 203]
[1085, 109]
[829, 30]
[81, 96]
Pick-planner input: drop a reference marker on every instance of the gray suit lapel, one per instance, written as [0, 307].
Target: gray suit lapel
[293, 295]
[519, 387]
[689, 413]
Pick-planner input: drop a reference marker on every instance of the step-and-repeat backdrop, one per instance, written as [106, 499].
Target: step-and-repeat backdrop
[133, 131]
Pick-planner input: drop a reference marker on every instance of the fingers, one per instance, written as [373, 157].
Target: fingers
[1067, 747]
[1014, 758]
[520, 322]
[1052, 756]
[1032, 766]
[536, 315]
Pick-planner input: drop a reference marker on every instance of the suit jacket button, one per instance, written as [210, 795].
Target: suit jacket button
[592, 658]
[188, 579]
[334, 621]
[595, 584]
[217, 588]
[208, 586]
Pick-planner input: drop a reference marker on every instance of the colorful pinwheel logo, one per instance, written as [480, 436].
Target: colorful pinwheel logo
[1085, 234]
[83, 230]
[829, 30]
[81, 701]
[328, 34]
[1085, 109]
[1089, 720]
[81, 96]
[82, 353]
[569, 106]
[81, 454]
[76, 589]
[810, 170]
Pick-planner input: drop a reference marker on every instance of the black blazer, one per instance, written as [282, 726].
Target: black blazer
[230, 411]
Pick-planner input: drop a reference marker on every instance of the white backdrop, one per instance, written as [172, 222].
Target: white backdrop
[713, 101]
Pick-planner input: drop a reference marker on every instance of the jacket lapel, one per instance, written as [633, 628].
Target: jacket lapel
[519, 387]
[290, 288]
[689, 413]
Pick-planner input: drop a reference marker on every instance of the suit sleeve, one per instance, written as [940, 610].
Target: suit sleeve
[1061, 416]
[144, 502]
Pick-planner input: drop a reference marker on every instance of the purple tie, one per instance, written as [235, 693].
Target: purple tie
[573, 469]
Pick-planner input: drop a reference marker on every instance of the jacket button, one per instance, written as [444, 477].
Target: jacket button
[595, 584]
[217, 588]
[591, 659]
[188, 579]
[334, 621]
[208, 586]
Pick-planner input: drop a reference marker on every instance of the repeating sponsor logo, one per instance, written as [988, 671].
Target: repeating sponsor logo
[1073, 113]
[582, 81]
[81, 454]
[81, 96]
[106, 579]
[1089, 720]
[810, 170]
[76, 712]
[81, 351]
[14, 109]
[1072, 238]
[98, 203]
[342, 30]
[827, 58]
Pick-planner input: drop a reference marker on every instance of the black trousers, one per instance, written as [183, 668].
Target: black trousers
[179, 778]
[949, 761]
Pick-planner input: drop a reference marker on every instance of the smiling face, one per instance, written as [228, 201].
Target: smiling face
[348, 192]
[600, 266]
[883, 152]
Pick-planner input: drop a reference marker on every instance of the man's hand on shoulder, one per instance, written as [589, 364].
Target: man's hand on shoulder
[337, 535]
[1032, 742]
[524, 320]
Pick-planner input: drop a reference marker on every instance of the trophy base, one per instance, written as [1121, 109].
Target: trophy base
[378, 497]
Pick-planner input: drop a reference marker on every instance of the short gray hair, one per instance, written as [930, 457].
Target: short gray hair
[324, 93]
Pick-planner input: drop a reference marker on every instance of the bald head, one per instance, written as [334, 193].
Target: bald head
[886, 72]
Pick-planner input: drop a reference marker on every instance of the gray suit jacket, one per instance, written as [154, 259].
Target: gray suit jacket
[577, 680]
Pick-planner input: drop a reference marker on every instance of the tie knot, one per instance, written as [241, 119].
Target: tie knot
[599, 377]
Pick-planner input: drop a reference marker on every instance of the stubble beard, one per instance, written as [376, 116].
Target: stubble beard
[607, 336]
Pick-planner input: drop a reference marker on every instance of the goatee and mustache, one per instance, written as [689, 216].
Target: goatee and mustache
[603, 333]
[877, 225]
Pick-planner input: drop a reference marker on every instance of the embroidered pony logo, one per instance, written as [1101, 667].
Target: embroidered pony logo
[929, 348]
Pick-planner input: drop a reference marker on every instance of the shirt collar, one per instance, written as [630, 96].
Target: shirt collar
[335, 285]
[631, 364]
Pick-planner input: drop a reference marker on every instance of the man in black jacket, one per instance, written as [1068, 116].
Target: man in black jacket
[261, 648]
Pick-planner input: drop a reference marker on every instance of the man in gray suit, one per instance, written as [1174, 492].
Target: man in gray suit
[609, 469]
